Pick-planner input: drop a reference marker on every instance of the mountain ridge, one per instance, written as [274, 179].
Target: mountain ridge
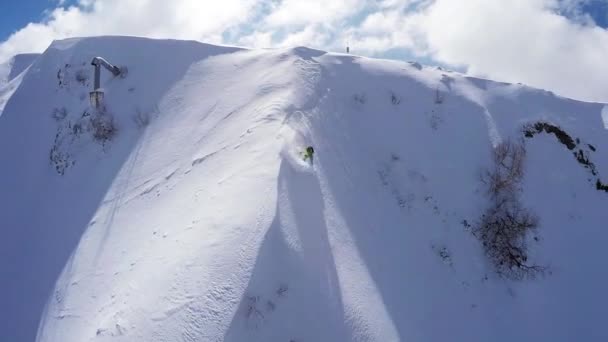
[182, 208]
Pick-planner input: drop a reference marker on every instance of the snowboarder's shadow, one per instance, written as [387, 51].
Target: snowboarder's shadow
[293, 292]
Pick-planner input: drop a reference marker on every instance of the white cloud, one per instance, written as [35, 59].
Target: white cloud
[384, 30]
[528, 41]
[525, 41]
[520, 41]
[310, 35]
[182, 19]
[299, 12]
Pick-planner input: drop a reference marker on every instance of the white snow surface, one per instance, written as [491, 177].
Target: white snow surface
[11, 73]
[199, 221]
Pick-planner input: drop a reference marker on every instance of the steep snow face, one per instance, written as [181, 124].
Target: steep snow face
[16, 65]
[183, 211]
[11, 73]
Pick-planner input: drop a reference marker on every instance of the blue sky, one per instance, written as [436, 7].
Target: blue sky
[15, 14]
[558, 45]
[599, 11]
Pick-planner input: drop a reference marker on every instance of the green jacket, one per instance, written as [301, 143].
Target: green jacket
[309, 153]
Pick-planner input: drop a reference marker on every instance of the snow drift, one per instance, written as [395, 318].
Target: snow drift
[191, 216]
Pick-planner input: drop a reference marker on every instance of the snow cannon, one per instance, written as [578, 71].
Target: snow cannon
[96, 96]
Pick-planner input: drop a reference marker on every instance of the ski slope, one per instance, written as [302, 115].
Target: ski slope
[197, 220]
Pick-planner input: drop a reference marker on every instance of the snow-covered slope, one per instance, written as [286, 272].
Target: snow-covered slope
[197, 220]
[11, 73]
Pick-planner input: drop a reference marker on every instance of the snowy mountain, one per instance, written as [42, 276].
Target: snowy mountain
[10, 75]
[182, 209]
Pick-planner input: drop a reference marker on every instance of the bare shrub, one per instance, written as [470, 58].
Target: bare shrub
[436, 120]
[394, 99]
[443, 252]
[601, 186]
[582, 157]
[76, 130]
[82, 77]
[504, 177]
[539, 127]
[60, 160]
[252, 307]
[504, 228]
[270, 306]
[252, 311]
[503, 231]
[59, 113]
[282, 290]
[438, 96]
[102, 127]
[98, 124]
[360, 98]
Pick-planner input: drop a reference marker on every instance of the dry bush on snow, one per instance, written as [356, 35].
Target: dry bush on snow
[102, 126]
[503, 179]
[506, 226]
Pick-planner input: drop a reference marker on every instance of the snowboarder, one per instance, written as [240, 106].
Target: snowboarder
[309, 153]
